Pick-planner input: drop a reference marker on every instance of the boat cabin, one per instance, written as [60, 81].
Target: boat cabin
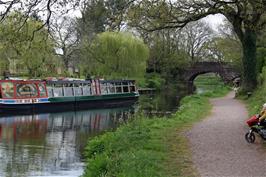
[20, 89]
[89, 88]
[20, 96]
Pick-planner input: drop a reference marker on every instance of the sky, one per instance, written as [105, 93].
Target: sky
[214, 20]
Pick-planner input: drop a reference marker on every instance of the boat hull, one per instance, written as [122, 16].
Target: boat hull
[68, 104]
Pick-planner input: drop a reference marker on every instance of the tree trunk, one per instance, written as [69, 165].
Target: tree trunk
[249, 60]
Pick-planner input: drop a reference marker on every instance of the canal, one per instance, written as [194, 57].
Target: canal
[52, 144]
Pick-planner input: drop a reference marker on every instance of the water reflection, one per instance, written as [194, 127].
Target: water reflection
[161, 104]
[52, 144]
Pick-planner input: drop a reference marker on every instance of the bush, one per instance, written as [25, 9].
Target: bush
[154, 81]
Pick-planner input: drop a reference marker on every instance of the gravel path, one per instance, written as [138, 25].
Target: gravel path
[218, 145]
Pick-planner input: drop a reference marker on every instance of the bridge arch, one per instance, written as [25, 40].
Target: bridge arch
[193, 76]
[226, 72]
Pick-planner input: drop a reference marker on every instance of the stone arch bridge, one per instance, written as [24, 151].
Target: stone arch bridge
[225, 70]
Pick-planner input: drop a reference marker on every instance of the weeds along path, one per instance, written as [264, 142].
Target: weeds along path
[218, 145]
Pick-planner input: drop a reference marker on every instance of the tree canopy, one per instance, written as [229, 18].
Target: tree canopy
[20, 51]
[246, 16]
[115, 55]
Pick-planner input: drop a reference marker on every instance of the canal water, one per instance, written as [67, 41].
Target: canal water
[52, 144]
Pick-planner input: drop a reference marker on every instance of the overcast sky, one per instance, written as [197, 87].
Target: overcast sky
[214, 20]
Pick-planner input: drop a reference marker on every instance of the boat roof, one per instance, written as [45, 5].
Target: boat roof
[87, 81]
[21, 80]
[116, 81]
[66, 81]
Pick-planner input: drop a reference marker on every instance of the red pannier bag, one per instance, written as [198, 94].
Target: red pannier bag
[253, 120]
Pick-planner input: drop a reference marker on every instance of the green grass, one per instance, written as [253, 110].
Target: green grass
[148, 147]
[210, 85]
[255, 102]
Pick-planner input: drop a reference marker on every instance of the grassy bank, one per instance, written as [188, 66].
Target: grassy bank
[210, 85]
[149, 147]
[255, 102]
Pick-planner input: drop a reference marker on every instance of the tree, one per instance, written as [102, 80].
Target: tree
[18, 48]
[115, 55]
[117, 13]
[102, 15]
[66, 39]
[167, 56]
[194, 37]
[261, 50]
[246, 17]
[226, 47]
[93, 20]
[45, 9]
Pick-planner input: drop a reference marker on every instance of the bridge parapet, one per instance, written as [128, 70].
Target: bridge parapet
[227, 72]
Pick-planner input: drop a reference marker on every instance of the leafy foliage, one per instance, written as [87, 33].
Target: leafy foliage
[26, 49]
[115, 55]
[93, 19]
[101, 15]
[224, 49]
[167, 57]
[246, 18]
[257, 99]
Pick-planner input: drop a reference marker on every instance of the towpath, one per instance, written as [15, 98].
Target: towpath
[218, 145]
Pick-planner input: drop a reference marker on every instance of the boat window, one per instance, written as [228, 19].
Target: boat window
[104, 89]
[78, 90]
[7, 89]
[58, 91]
[110, 88]
[50, 91]
[132, 88]
[68, 90]
[27, 90]
[125, 88]
[42, 90]
[86, 90]
[118, 87]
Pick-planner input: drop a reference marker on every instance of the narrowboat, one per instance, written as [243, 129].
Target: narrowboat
[29, 96]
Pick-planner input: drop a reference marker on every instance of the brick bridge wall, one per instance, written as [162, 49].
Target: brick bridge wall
[227, 72]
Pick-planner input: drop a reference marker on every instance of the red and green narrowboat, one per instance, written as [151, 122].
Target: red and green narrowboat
[27, 96]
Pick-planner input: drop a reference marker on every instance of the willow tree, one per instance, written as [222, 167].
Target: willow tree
[246, 17]
[115, 55]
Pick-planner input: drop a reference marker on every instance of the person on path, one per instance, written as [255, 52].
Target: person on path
[262, 115]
